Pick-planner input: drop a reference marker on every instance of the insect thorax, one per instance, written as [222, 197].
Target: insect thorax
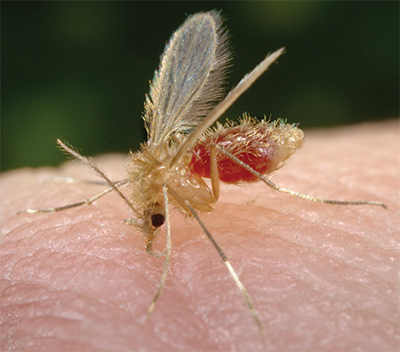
[150, 169]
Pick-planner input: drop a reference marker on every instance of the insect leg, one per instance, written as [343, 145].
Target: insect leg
[78, 204]
[189, 208]
[293, 193]
[89, 162]
[182, 202]
[73, 180]
[167, 252]
[214, 171]
[229, 266]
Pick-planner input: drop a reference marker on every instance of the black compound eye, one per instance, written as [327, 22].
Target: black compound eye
[157, 220]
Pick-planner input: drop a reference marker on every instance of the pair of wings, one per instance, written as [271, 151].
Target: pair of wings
[189, 78]
[189, 82]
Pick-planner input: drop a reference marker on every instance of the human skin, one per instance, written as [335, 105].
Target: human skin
[321, 277]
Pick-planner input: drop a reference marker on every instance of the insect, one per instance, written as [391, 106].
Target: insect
[182, 149]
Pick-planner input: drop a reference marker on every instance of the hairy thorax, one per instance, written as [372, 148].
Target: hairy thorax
[150, 169]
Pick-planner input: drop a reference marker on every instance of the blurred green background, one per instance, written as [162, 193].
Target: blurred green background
[79, 70]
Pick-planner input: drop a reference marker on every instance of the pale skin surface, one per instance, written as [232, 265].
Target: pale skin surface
[321, 277]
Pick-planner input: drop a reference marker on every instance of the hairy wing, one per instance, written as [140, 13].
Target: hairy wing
[189, 79]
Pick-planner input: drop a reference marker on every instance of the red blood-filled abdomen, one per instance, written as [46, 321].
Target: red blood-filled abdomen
[251, 145]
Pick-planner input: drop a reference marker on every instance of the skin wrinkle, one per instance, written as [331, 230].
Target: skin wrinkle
[328, 255]
[307, 296]
[311, 247]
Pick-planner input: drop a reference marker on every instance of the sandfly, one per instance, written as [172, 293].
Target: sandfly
[182, 149]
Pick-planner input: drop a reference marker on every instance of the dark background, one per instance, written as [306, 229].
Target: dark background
[79, 70]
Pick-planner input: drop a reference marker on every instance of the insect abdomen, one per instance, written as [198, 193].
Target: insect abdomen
[261, 145]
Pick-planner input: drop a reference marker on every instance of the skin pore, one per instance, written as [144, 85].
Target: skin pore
[321, 277]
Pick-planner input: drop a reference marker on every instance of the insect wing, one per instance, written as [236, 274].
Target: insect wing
[189, 79]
